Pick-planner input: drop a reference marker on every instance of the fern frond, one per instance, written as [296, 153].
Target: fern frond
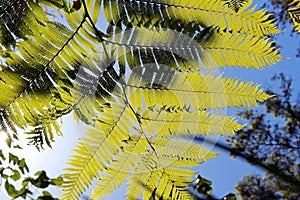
[294, 13]
[236, 49]
[197, 90]
[137, 47]
[188, 123]
[94, 84]
[138, 115]
[165, 183]
[218, 48]
[180, 152]
[109, 183]
[42, 70]
[12, 13]
[236, 5]
[98, 149]
[206, 13]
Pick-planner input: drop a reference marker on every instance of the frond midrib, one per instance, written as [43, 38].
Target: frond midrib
[190, 91]
[185, 121]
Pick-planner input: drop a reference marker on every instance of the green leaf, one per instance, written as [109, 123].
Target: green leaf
[1, 155]
[203, 186]
[230, 196]
[17, 147]
[8, 142]
[57, 181]
[12, 191]
[16, 175]
[23, 165]
[26, 181]
[46, 196]
[42, 181]
[46, 193]
[12, 158]
[1, 170]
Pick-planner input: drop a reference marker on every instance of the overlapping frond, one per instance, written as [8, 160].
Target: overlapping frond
[11, 16]
[294, 13]
[37, 80]
[237, 5]
[206, 49]
[99, 149]
[164, 183]
[206, 13]
[138, 47]
[124, 137]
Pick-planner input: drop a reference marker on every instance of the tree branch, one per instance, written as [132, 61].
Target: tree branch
[289, 179]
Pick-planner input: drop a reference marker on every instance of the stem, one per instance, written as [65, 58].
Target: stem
[251, 159]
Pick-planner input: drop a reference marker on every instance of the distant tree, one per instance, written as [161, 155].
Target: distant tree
[272, 139]
[14, 176]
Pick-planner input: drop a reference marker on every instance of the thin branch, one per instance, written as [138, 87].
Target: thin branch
[289, 179]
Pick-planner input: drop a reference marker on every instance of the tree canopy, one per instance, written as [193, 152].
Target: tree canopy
[272, 138]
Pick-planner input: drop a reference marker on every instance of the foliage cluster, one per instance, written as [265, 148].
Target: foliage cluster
[272, 134]
[146, 85]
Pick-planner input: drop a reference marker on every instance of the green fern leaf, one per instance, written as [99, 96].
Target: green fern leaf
[40, 72]
[206, 13]
[236, 5]
[221, 48]
[199, 91]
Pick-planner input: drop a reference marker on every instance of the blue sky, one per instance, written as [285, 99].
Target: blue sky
[225, 172]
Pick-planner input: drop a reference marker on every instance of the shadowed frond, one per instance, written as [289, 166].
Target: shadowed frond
[37, 79]
[206, 49]
[164, 183]
[294, 13]
[12, 13]
[206, 13]
[237, 5]
[137, 47]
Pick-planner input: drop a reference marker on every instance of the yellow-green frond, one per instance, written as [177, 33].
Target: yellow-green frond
[142, 85]
[198, 90]
[204, 12]
[37, 76]
[180, 152]
[237, 49]
[97, 150]
[165, 183]
[188, 123]
[122, 166]
[109, 183]
[294, 13]
[220, 48]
